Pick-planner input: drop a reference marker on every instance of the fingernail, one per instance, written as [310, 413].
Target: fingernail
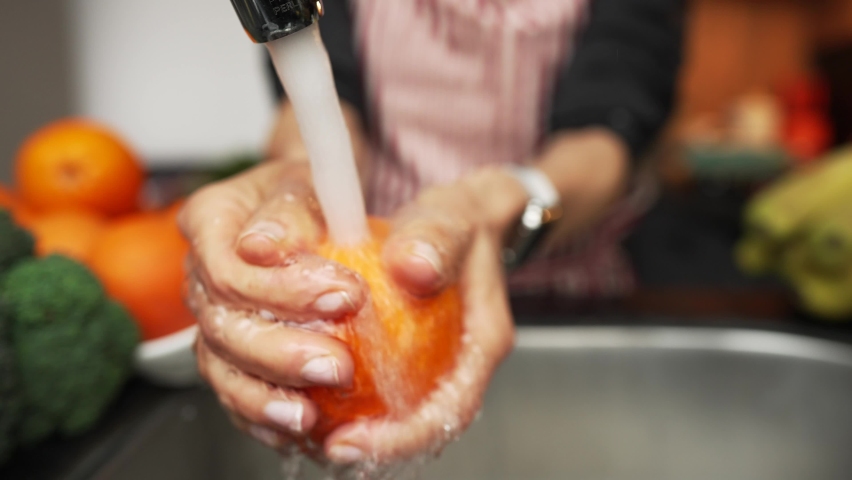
[322, 370]
[264, 435]
[270, 230]
[286, 414]
[427, 252]
[334, 302]
[345, 454]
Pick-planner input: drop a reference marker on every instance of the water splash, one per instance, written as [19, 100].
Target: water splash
[294, 463]
[439, 408]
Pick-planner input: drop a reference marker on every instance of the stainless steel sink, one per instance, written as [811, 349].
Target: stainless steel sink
[589, 403]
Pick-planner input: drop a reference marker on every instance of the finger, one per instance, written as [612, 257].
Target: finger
[254, 400]
[271, 437]
[288, 220]
[263, 347]
[213, 220]
[487, 316]
[435, 423]
[451, 408]
[307, 287]
[427, 244]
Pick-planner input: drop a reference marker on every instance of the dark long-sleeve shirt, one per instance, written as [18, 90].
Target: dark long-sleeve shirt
[622, 74]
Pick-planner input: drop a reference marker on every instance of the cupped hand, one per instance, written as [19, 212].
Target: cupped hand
[253, 281]
[449, 234]
[255, 284]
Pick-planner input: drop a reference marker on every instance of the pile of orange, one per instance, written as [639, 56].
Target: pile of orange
[77, 190]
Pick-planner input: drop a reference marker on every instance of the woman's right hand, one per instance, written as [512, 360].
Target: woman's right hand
[252, 279]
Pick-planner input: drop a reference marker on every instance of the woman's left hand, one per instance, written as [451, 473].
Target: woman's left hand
[449, 235]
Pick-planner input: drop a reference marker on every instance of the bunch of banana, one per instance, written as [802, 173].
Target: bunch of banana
[801, 229]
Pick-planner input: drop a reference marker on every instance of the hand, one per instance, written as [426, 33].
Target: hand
[455, 233]
[448, 234]
[250, 238]
[590, 169]
[250, 290]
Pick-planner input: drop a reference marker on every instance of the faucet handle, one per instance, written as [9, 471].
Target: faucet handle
[267, 20]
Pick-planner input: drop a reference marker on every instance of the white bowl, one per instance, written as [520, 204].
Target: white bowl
[169, 361]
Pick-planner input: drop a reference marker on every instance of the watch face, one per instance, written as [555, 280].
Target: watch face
[534, 222]
[533, 217]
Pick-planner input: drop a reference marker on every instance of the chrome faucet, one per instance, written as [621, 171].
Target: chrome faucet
[268, 20]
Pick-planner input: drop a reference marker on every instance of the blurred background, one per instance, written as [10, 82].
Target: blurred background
[181, 87]
[766, 90]
[750, 224]
[181, 90]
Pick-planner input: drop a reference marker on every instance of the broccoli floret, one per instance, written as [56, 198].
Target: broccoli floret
[41, 292]
[73, 346]
[10, 396]
[15, 242]
[15, 245]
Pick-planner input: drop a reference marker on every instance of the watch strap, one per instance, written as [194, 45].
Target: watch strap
[537, 185]
[543, 207]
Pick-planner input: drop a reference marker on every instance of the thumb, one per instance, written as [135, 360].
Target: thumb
[287, 220]
[426, 249]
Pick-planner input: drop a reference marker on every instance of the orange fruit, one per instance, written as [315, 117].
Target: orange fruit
[7, 198]
[401, 345]
[77, 163]
[140, 260]
[21, 213]
[72, 233]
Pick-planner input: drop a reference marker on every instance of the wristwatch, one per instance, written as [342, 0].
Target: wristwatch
[542, 210]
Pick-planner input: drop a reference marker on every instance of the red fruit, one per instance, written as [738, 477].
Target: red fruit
[807, 135]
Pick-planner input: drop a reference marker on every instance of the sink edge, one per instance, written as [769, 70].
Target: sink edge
[750, 341]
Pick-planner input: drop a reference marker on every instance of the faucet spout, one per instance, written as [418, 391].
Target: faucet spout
[268, 20]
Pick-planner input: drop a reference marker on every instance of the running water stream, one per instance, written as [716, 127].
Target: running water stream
[302, 64]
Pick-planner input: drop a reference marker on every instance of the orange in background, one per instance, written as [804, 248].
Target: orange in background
[401, 345]
[22, 214]
[72, 233]
[79, 164]
[140, 260]
[7, 198]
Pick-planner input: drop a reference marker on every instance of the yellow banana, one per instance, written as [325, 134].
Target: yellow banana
[755, 255]
[780, 211]
[829, 240]
[826, 296]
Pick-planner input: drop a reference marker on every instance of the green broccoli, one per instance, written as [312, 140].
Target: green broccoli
[10, 396]
[15, 245]
[15, 242]
[73, 346]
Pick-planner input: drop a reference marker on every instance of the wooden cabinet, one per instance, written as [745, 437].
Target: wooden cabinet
[734, 47]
